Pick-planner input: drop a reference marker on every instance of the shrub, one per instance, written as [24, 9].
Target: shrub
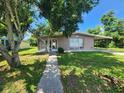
[112, 45]
[60, 50]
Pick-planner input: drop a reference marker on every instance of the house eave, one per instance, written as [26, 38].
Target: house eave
[97, 37]
[81, 33]
[92, 35]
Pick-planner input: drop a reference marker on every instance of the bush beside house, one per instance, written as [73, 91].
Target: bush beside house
[60, 50]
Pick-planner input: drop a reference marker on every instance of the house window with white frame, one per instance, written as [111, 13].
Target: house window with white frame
[76, 43]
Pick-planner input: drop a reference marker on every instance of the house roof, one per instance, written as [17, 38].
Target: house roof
[81, 33]
[92, 35]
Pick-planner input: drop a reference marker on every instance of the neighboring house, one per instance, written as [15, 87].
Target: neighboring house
[5, 43]
[77, 41]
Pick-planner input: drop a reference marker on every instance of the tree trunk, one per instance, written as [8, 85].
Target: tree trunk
[13, 59]
[5, 54]
[38, 43]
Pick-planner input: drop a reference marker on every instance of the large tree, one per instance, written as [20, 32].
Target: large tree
[15, 19]
[113, 27]
[64, 15]
[96, 31]
[109, 21]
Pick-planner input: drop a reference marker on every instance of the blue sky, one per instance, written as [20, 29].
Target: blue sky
[92, 19]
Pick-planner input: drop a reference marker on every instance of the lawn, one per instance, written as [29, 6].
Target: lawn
[26, 77]
[113, 49]
[116, 49]
[92, 72]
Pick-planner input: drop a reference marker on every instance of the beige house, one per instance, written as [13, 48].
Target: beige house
[77, 42]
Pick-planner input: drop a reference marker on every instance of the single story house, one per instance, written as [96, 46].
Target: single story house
[77, 41]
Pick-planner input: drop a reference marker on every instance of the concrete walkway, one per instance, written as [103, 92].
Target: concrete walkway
[50, 82]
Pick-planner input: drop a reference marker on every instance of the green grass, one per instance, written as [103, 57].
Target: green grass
[117, 49]
[113, 49]
[24, 79]
[87, 72]
[28, 51]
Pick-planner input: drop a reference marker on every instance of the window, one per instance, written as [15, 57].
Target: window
[76, 43]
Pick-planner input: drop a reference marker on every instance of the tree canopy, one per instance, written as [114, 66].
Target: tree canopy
[64, 15]
[113, 27]
[15, 20]
[20, 15]
[96, 31]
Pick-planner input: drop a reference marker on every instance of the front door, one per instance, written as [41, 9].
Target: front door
[53, 45]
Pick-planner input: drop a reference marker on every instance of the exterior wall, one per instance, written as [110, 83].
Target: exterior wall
[63, 42]
[87, 41]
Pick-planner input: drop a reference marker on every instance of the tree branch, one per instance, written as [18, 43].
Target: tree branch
[3, 50]
[12, 15]
[18, 28]
[2, 22]
[16, 15]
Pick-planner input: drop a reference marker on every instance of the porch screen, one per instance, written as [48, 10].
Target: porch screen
[76, 43]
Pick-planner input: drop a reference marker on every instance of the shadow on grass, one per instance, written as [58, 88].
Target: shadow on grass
[40, 53]
[1, 58]
[35, 53]
[80, 70]
[30, 74]
[25, 49]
